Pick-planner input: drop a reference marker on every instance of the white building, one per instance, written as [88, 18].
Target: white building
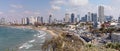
[24, 21]
[2, 21]
[89, 17]
[32, 20]
[67, 16]
[101, 17]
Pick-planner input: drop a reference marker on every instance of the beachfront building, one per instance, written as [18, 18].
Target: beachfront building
[42, 21]
[2, 21]
[32, 20]
[39, 19]
[24, 21]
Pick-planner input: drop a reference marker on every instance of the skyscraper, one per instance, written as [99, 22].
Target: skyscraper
[50, 19]
[32, 20]
[89, 18]
[94, 17]
[2, 21]
[67, 17]
[72, 18]
[101, 17]
[38, 19]
[76, 20]
[25, 21]
[118, 19]
[42, 20]
[108, 18]
[84, 19]
[78, 16]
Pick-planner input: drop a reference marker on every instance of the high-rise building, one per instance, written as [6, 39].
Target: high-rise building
[32, 20]
[50, 19]
[27, 19]
[101, 17]
[38, 19]
[2, 21]
[118, 19]
[94, 17]
[76, 20]
[42, 20]
[84, 19]
[89, 18]
[24, 21]
[108, 18]
[78, 16]
[55, 21]
[72, 17]
[67, 17]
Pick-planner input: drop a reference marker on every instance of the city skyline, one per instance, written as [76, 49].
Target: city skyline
[15, 10]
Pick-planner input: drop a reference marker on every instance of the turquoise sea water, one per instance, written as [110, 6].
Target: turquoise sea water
[11, 37]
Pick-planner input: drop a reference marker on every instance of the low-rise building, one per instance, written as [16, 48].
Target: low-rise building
[115, 37]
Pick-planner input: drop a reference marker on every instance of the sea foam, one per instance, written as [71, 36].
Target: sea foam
[40, 37]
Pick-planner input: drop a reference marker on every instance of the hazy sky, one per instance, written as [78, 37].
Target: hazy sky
[16, 9]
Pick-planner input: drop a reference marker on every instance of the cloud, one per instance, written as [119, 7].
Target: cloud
[82, 7]
[111, 10]
[55, 7]
[58, 2]
[69, 6]
[78, 2]
[27, 12]
[32, 13]
[16, 6]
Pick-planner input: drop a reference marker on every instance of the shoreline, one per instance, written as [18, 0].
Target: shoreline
[48, 36]
[37, 29]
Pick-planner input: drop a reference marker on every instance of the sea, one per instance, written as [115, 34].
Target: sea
[21, 39]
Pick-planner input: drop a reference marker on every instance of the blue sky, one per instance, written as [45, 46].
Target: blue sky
[17, 9]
